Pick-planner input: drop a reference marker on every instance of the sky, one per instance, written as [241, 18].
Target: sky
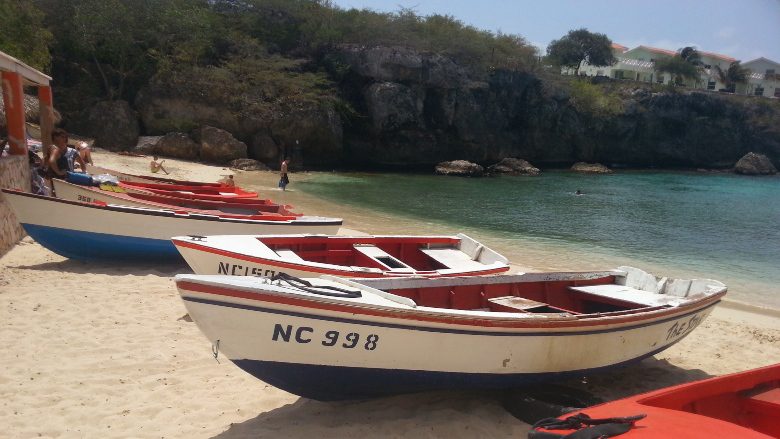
[744, 30]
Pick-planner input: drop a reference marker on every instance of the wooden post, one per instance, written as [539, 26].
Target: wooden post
[46, 111]
[13, 97]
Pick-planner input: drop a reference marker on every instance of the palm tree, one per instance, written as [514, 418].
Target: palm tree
[691, 55]
[735, 74]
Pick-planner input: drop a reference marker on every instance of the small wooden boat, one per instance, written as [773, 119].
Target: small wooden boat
[98, 231]
[743, 405]
[223, 193]
[348, 256]
[130, 178]
[331, 338]
[91, 194]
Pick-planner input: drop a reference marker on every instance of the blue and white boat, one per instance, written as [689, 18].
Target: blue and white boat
[332, 338]
[98, 231]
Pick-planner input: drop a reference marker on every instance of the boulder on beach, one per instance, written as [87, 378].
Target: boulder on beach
[755, 164]
[178, 145]
[590, 168]
[461, 168]
[513, 166]
[217, 145]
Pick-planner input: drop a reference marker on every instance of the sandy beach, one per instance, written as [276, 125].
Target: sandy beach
[104, 350]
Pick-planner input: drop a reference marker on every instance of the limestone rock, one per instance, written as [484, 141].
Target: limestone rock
[178, 145]
[513, 166]
[146, 144]
[248, 165]
[113, 125]
[755, 164]
[590, 168]
[263, 148]
[460, 168]
[310, 136]
[218, 145]
[391, 105]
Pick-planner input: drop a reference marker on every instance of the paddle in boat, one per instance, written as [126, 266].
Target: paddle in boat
[90, 194]
[743, 405]
[348, 256]
[97, 230]
[224, 193]
[332, 338]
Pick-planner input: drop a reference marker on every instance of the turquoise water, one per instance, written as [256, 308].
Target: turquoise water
[718, 226]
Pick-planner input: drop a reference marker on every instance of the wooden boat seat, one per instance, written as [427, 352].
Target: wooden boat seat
[453, 258]
[513, 302]
[384, 258]
[288, 254]
[627, 294]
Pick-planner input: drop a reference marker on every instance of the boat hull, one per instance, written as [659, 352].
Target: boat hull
[379, 353]
[88, 231]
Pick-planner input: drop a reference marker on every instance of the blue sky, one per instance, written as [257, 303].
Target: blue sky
[744, 29]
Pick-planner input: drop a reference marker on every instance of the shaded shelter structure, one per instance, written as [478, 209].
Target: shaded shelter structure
[14, 165]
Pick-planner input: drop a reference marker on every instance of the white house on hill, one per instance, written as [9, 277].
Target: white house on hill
[638, 64]
[764, 78]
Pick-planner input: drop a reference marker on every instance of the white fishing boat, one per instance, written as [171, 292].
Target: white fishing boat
[348, 256]
[332, 338]
[98, 230]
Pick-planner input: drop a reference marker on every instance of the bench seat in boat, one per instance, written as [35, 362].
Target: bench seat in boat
[628, 294]
[453, 258]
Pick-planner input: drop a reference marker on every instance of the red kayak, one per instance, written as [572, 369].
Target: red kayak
[743, 405]
[223, 193]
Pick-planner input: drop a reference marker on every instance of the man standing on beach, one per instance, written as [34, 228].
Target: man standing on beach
[283, 179]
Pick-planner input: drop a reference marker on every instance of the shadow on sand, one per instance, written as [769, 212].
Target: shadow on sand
[120, 268]
[437, 414]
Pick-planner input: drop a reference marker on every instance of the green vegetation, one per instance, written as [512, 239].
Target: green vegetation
[261, 49]
[590, 99]
[578, 46]
[22, 34]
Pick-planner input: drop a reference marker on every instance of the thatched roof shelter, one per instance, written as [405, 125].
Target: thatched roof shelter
[30, 111]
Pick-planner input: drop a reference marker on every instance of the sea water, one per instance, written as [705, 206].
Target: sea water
[718, 226]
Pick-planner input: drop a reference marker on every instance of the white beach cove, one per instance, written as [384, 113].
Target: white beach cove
[103, 350]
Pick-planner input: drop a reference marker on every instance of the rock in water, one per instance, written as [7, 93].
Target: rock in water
[755, 164]
[590, 168]
[513, 166]
[460, 168]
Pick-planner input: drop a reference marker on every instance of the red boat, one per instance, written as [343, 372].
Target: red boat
[90, 194]
[743, 405]
[223, 193]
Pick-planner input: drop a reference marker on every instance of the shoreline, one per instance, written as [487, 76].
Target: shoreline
[103, 349]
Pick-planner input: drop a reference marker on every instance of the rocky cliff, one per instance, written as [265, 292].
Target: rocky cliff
[407, 108]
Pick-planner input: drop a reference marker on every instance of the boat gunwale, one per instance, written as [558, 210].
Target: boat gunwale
[172, 213]
[335, 269]
[443, 315]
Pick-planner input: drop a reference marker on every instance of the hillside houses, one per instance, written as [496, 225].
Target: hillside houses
[638, 64]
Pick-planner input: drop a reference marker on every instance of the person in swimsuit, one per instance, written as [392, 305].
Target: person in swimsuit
[63, 158]
[284, 180]
[156, 166]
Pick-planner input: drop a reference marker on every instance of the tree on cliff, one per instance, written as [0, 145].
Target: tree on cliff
[578, 46]
[733, 75]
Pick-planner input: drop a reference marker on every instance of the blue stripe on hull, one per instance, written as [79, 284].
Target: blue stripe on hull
[335, 383]
[88, 245]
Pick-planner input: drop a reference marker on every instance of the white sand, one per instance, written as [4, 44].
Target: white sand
[101, 350]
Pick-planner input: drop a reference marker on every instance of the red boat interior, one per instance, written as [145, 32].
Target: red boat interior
[197, 190]
[749, 400]
[523, 297]
[372, 252]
